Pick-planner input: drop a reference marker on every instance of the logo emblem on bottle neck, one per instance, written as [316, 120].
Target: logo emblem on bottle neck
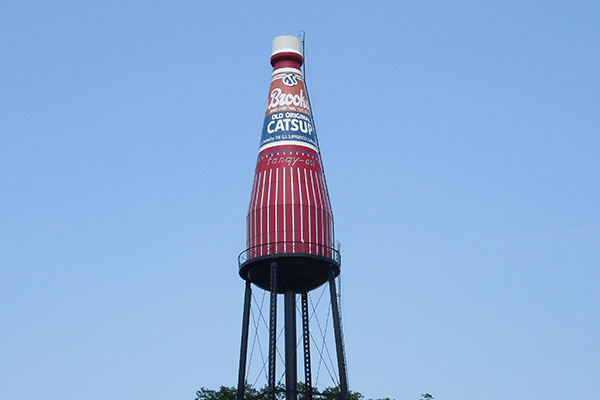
[290, 80]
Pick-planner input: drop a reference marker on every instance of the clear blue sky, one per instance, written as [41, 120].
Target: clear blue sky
[461, 145]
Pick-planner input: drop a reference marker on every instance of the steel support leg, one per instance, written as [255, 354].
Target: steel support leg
[306, 342]
[339, 342]
[273, 331]
[291, 364]
[244, 346]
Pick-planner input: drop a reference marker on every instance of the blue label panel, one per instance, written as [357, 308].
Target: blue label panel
[288, 125]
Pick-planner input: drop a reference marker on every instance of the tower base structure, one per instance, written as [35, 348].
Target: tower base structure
[290, 342]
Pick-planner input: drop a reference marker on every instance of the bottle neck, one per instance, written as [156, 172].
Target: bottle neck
[286, 64]
[286, 60]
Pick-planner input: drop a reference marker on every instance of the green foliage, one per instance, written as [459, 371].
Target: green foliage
[230, 393]
[225, 393]
[334, 392]
[250, 393]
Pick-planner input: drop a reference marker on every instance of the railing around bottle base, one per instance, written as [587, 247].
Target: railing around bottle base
[289, 247]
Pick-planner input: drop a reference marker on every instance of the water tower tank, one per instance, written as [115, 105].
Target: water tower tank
[289, 217]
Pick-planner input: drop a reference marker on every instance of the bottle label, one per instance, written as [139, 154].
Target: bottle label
[287, 118]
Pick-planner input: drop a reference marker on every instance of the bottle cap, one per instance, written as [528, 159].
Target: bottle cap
[286, 44]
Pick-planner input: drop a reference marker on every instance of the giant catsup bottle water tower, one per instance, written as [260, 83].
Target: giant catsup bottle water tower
[289, 239]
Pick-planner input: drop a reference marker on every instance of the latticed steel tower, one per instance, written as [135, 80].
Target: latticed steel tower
[289, 239]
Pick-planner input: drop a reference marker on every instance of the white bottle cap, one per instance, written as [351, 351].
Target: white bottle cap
[286, 44]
